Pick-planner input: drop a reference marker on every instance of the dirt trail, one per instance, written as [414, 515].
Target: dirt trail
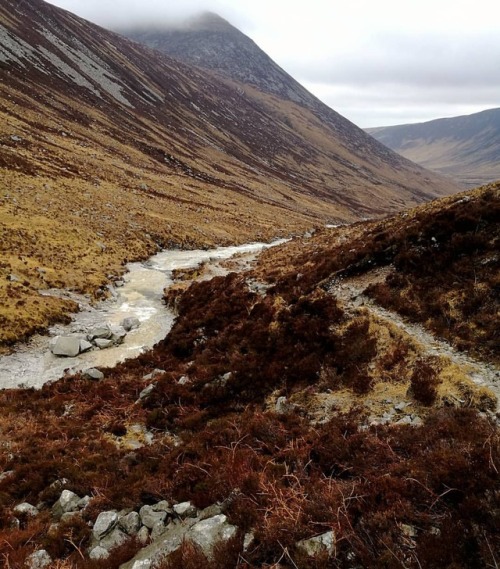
[350, 292]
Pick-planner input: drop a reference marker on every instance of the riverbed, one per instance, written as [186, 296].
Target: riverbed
[141, 296]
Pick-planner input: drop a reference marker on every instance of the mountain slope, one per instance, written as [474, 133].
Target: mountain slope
[210, 42]
[110, 150]
[466, 148]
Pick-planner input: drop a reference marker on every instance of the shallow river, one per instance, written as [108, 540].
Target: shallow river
[32, 364]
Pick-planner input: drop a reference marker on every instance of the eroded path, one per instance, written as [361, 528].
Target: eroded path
[350, 292]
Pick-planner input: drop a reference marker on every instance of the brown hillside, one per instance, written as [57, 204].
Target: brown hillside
[297, 410]
[109, 150]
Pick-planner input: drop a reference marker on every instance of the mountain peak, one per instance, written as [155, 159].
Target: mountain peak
[208, 22]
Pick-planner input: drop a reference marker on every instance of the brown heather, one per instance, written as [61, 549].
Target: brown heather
[394, 495]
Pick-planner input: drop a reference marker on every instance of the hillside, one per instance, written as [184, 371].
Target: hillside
[465, 148]
[109, 150]
[306, 425]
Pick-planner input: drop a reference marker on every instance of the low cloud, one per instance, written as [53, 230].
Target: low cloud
[439, 62]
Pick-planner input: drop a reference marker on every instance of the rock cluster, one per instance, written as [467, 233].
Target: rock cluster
[161, 528]
[100, 337]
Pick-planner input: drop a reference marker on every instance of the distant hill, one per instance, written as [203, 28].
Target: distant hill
[466, 148]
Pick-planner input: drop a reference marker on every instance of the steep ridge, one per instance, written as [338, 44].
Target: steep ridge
[110, 150]
[465, 148]
[210, 42]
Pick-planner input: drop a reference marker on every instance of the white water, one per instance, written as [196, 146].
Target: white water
[32, 364]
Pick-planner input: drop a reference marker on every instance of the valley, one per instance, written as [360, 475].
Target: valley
[236, 331]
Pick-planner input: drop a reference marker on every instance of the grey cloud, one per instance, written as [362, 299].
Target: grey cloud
[420, 60]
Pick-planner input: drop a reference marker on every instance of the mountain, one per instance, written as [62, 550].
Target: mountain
[211, 43]
[110, 150]
[465, 148]
[291, 417]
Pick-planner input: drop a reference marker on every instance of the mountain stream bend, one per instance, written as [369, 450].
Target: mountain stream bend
[32, 364]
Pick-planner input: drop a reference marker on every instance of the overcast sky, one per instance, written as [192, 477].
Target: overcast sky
[376, 62]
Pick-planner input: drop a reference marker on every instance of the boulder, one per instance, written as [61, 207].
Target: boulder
[38, 560]
[154, 374]
[118, 336]
[102, 332]
[65, 346]
[131, 523]
[150, 517]
[146, 392]
[185, 510]
[318, 544]
[157, 530]
[93, 373]
[103, 343]
[68, 502]
[207, 533]
[114, 539]
[105, 523]
[130, 323]
[162, 506]
[26, 509]
[85, 346]
[98, 553]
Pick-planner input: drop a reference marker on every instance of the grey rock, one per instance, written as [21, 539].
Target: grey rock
[130, 323]
[149, 517]
[154, 373]
[93, 373]
[84, 502]
[13, 278]
[210, 512]
[6, 474]
[183, 380]
[98, 553]
[100, 332]
[143, 564]
[143, 535]
[146, 392]
[162, 506]
[406, 420]
[318, 544]
[211, 531]
[281, 405]
[38, 560]
[157, 531]
[400, 406]
[85, 346]
[185, 510]
[105, 523]
[68, 502]
[26, 509]
[118, 336]
[103, 343]
[417, 422]
[14, 524]
[131, 523]
[65, 346]
[248, 541]
[114, 539]
[119, 283]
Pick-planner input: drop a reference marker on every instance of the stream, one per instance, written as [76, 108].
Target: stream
[32, 364]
